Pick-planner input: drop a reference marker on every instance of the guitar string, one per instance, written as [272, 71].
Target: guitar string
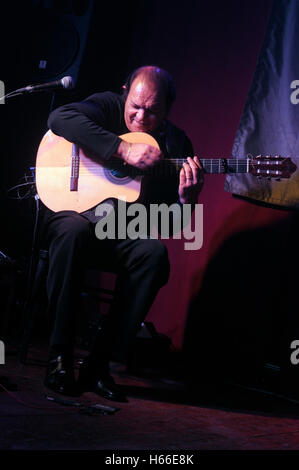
[216, 168]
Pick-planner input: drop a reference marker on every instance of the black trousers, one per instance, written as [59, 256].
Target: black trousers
[142, 268]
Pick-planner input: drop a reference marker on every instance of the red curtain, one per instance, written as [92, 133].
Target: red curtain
[211, 49]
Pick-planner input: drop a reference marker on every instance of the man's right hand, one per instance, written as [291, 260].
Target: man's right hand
[139, 155]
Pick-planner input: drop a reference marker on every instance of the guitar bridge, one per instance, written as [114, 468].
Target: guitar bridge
[75, 162]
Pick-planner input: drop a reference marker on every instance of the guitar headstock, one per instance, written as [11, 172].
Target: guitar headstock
[276, 167]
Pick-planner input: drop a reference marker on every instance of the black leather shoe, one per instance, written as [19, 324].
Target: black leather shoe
[102, 385]
[107, 388]
[60, 376]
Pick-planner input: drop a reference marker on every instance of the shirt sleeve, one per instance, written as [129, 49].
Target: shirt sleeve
[92, 123]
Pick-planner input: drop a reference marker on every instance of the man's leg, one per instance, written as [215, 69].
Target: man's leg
[68, 237]
[143, 268]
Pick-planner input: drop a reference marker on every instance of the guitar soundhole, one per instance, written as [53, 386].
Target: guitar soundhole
[118, 174]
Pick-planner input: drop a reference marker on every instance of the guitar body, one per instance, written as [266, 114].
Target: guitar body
[97, 180]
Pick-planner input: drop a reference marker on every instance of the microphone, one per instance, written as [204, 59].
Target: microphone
[65, 82]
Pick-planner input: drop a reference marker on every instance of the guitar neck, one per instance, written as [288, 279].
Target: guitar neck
[261, 166]
[171, 166]
[217, 165]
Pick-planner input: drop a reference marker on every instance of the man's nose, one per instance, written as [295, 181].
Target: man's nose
[140, 114]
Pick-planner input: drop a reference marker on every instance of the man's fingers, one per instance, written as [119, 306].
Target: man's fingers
[199, 170]
[182, 176]
[196, 159]
[195, 168]
[188, 173]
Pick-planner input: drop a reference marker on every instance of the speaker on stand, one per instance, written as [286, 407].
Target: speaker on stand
[58, 39]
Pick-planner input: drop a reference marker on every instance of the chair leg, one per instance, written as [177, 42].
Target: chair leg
[31, 305]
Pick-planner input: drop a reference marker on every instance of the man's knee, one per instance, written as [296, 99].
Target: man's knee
[70, 224]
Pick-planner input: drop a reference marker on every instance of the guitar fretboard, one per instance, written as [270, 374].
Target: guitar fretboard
[171, 166]
[217, 165]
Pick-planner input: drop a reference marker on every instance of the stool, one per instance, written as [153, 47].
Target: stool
[32, 303]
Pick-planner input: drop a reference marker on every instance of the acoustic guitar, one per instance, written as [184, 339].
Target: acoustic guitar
[71, 178]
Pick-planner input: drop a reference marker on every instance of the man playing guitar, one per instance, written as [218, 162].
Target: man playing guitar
[142, 265]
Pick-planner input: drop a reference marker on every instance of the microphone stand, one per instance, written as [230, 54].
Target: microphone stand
[28, 313]
[14, 93]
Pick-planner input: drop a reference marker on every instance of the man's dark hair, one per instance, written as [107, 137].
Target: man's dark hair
[159, 76]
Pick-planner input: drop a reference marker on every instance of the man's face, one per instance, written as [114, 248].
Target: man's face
[145, 106]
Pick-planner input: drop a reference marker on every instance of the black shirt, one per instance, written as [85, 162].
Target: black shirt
[97, 123]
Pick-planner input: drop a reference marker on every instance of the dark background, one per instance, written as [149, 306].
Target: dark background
[237, 284]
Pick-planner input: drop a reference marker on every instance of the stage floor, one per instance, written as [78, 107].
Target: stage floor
[161, 414]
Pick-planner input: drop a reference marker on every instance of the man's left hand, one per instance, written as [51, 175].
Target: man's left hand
[191, 181]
